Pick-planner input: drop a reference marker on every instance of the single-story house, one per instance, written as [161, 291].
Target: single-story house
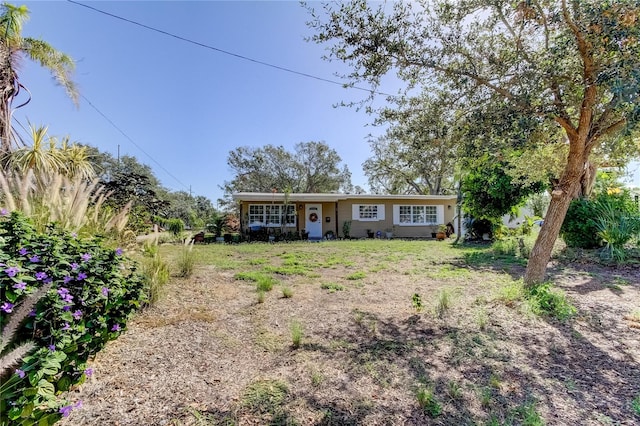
[319, 215]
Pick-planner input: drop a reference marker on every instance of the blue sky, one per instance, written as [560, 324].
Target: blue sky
[187, 106]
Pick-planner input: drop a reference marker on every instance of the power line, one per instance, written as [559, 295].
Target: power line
[132, 141]
[226, 52]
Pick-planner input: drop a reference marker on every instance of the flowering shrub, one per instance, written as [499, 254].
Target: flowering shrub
[94, 290]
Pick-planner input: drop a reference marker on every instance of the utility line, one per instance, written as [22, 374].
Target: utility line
[226, 52]
[132, 141]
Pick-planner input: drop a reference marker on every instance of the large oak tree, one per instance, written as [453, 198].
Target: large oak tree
[572, 64]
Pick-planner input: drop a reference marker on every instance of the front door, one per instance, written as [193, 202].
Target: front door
[313, 223]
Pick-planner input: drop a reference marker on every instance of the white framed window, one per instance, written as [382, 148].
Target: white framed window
[272, 215]
[367, 212]
[412, 215]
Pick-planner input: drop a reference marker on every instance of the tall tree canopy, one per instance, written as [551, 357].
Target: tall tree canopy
[313, 167]
[418, 153]
[13, 47]
[570, 64]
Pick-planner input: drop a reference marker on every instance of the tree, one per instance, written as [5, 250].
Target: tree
[13, 47]
[314, 167]
[418, 154]
[571, 64]
[490, 193]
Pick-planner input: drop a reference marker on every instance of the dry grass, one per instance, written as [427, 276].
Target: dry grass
[208, 353]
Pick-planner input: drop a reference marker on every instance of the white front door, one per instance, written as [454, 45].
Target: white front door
[313, 223]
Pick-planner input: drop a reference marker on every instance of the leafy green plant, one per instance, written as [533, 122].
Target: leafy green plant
[428, 402]
[616, 228]
[544, 300]
[358, 275]
[94, 292]
[454, 390]
[332, 287]
[175, 226]
[416, 301]
[346, 229]
[296, 333]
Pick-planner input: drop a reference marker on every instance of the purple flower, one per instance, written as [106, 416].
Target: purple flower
[66, 410]
[48, 280]
[20, 373]
[34, 259]
[66, 326]
[20, 286]
[78, 404]
[77, 314]
[74, 234]
[74, 266]
[3, 212]
[81, 276]
[7, 307]
[62, 291]
[32, 313]
[66, 308]
[41, 276]
[23, 251]
[67, 279]
[118, 251]
[85, 257]
[52, 348]
[116, 327]
[88, 372]
[105, 291]
[12, 271]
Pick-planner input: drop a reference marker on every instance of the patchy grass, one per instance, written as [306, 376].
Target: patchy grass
[375, 354]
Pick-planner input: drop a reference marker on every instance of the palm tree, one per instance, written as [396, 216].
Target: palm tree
[13, 47]
[38, 157]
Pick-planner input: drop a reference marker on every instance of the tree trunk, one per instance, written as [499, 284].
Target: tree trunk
[7, 77]
[570, 186]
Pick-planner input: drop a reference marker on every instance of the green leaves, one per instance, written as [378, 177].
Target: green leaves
[94, 290]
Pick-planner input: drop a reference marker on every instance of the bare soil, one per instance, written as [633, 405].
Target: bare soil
[201, 354]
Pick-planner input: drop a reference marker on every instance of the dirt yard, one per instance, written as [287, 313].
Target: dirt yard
[209, 353]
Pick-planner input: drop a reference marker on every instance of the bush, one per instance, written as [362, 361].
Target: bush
[578, 228]
[94, 290]
[551, 302]
[581, 228]
[175, 226]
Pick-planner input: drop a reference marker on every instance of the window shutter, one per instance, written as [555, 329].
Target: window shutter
[355, 212]
[396, 214]
[440, 214]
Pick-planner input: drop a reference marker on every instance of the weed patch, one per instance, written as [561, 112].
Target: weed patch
[359, 275]
[428, 402]
[332, 287]
[265, 396]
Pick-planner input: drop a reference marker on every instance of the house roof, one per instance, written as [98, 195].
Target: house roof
[330, 197]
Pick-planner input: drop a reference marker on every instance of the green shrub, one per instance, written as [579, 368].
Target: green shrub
[287, 292]
[580, 226]
[94, 292]
[616, 228]
[175, 226]
[544, 300]
[416, 301]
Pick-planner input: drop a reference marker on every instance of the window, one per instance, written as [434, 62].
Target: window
[417, 215]
[272, 214]
[368, 212]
